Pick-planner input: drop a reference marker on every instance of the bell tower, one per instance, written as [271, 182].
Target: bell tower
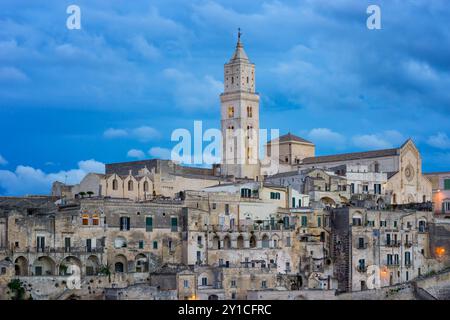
[240, 117]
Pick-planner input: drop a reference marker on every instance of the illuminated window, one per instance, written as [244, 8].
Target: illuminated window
[95, 220]
[230, 112]
[85, 220]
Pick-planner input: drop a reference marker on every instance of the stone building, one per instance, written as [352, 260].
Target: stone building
[375, 248]
[440, 182]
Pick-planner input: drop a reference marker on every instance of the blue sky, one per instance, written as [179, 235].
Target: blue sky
[113, 91]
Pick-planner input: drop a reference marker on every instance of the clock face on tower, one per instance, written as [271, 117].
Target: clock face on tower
[409, 172]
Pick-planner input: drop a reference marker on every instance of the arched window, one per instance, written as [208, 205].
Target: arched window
[130, 185]
[115, 185]
[394, 198]
[240, 242]
[252, 242]
[249, 112]
[145, 186]
[95, 220]
[265, 241]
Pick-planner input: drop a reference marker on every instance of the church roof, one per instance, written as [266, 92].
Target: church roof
[352, 156]
[290, 137]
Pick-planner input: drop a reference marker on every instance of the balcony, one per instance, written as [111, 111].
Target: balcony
[408, 244]
[362, 246]
[361, 269]
[393, 244]
[393, 265]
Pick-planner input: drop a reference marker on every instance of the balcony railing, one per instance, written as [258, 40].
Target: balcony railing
[362, 246]
[59, 250]
[408, 244]
[361, 269]
[393, 244]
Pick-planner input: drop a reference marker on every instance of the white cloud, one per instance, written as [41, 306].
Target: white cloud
[144, 48]
[325, 136]
[12, 74]
[194, 93]
[115, 133]
[28, 180]
[3, 160]
[440, 141]
[146, 133]
[383, 140]
[161, 153]
[135, 153]
[370, 141]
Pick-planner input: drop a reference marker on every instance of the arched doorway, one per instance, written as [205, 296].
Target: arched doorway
[120, 264]
[265, 241]
[141, 263]
[92, 266]
[227, 242]
[240, 242]
[216, 242]
[21, 266]
[44, 266]
[253, 242]
[68, 266]
[213, 297]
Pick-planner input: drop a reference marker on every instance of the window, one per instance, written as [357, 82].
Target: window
[186, 283]
[214, 206]
[174, 224]
[230, 112]
[352, 188]
[382, 223]
[169, 244]
[227, 208]
[362, 264]
[85, 220]
[199, 240]
[249, 111]
[130, 185]
[288, 241]
[95, 220]
[293, 202]
[155, 245]
[40, 243]
[149, 224]
[371, 223]
[141, 244]
[204, 281]
[388, 238]
[145, 186]
[124, 223]
[319, 222]
[377, 188]
[361, 243]
[67, 245]
[446, 184]
[275, 195]
[115, 184]
[199, 257]
[446, 206]
[233, 295]
[396, 260]
[246, 193]
[233, 284]
[389, 259]
[365, 188]
[407, 258]
[304, 221]
[264, 284]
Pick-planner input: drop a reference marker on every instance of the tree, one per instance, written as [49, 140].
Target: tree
[82, 194]
[16, 287]
[90, 193]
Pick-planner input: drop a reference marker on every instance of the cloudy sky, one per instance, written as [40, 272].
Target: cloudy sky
[71, 100]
